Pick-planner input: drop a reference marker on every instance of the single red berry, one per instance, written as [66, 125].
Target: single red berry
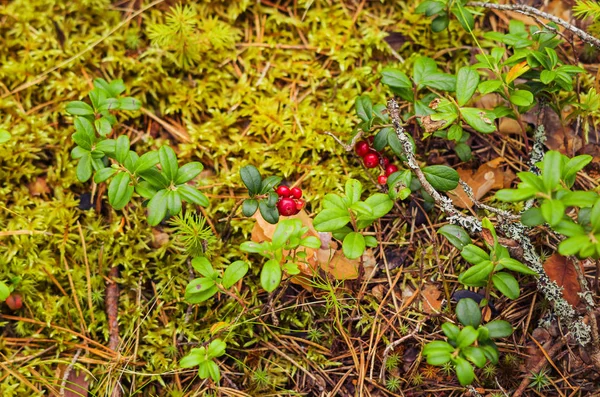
[286, 206]
[300, 204]
[361, 148]
[283, 191]
[14, 302]
[371, 160]
[296, 192]
[382, 179]
[390, 169]
[386, 162]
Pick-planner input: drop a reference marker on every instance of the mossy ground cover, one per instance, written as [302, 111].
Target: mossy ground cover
[226, 83]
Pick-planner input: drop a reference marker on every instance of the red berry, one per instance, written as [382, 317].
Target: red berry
[386, 162]
[371, 160]
[296, 192]
[382, 179]
[14, 302]
[300, 204]
[390, 169]
[371, 139]
[286, 206]
[283, 191]
[361, 148]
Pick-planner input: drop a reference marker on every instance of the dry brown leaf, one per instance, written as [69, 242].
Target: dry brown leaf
[432, 299]
[488, 176]
[38, 187]
[328, 257]
[561, 270]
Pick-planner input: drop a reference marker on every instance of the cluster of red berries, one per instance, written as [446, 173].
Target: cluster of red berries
[290, 200]
[372, 158]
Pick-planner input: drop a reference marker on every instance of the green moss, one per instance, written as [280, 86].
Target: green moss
[243, 97]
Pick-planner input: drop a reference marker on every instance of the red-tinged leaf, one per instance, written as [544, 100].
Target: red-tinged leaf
[561, 270]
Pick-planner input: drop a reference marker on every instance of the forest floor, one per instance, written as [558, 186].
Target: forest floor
[258, 82]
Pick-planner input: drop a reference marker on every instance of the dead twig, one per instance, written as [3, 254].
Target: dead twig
[531, 11]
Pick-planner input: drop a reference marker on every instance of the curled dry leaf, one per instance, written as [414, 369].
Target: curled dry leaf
[561, 270]
[38, 187]
[329, 257]
[432, 298]
[489, 176]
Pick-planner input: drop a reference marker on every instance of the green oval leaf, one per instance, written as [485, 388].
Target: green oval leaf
[188, 172]
[467, 81]
[506, 284]
[353, 245]
[468, 312]
[249, 207]
[234, 273]
[442, 178]
[251, 178]
[192, 195]
[168, 162]
[270, 276]
[79, 108]
[477, 276]
[456, 235]
[499, 329]
[120, 191]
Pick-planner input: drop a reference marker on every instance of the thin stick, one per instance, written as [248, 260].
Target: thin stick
[88, 275]
[530, 11]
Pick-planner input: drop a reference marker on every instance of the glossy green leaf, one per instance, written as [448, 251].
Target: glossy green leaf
[467, 81]
[129, 104]
[473, 254]
[438, 358]
[192, 195]
[476, 276]
[475, 355]
[466, 337]
[269, 213]
[329, 220]
[394, 78]
[79, 108]
[521, 97]
[553, 211]
[499, 329]
[269, 183]
[512, 195]
[249, 207]
[168, 162]
[456, 235]
[173, 203]
[506, 284]
[4, 291]
[353, 245]
[251, 178]
[353, 191]
[441, 177]
[188, 172]
[120, 191]
[516, 266]
[84, 167]
[157, 208]
[103, 126]
[234, 273]
[364, 108]
[553, 168]
[122, 148]
[464, 371]
[480, 119]
[468, 312]
[450, 330]
[104, 174]
[270, 276]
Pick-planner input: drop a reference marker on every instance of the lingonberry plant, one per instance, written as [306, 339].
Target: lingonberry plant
[347, 216]
[212, 281]
[552, 192]
[204, 358]
[165, 188]
[471, 343]
[262, 196]
[487, 267]
[284, 252]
